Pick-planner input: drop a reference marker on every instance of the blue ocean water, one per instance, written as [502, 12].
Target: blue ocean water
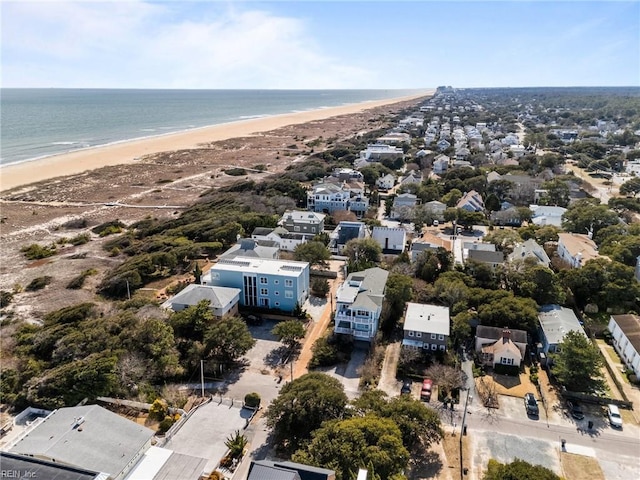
[36, 123]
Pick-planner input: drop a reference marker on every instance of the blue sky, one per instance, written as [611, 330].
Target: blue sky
[327, 44]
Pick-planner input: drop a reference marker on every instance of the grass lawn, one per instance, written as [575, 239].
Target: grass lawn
[574, 467]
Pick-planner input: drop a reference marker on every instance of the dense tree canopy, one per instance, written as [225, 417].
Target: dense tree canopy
[361, 442]
[363, 253]
[584, 216]
[227, 340]
[518, 470]
[290, 332]
[578, 364]
[315, 253]
[301, 408]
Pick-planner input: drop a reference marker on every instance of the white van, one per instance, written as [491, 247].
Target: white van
[614, 416]
[436, 223]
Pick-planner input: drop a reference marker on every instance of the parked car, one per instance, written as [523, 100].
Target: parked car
[575, 409]
[614, 416]
[425, 393]
[406, 388]
[531, 404]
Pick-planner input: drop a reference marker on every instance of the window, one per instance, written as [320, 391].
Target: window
[264, 291]
[442, 347]
[277, 282]
[288, 294]
[506, 361]
[418, 334]
[263, 280]
[411, 333]
[288, 283]
[276, 293]
[433, 336]
[277, 304]
[296, 228]
[434, 346]
[440, 337]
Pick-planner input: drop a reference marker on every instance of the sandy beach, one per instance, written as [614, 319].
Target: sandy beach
[21, 174]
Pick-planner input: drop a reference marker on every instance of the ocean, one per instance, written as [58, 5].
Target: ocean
[36, 123]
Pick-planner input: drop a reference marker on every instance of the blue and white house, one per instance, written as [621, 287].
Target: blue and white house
[263, 283]
[359, 303]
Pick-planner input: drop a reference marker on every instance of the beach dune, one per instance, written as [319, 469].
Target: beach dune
[22, 174]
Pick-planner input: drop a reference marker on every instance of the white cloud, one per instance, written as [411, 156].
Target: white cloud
[174, 45]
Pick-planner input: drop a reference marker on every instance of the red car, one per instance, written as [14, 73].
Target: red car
[425, 393]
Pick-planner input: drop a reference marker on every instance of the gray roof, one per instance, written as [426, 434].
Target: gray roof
[248, 247]
[556, 322]
[262, 231]
[184, 467]
[530, 249]
[193, 294]
[270, 470]
[89, 437]
[483, 256]
[369, 285]
[42, 469]
[495, 333]
[303, 216]
[630, 326]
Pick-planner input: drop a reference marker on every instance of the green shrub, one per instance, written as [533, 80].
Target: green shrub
[38, 283]
[80, 239]
[77, 282]
[6, 298]
[252, 400]
[320, 287]
[36, 252]
[158, 410]
[113, 226]
[534, 378]
[235, 172]
[166, 423]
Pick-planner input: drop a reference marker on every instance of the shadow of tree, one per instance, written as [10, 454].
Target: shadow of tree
[276, 356]
[425, 464]
[506, 381]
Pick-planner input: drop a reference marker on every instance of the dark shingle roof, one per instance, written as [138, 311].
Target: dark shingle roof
[495, 333]
[36, 468]
[630, 325]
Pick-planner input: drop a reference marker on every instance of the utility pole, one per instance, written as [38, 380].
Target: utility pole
[463, 431]
[202, 376]
[128, 291]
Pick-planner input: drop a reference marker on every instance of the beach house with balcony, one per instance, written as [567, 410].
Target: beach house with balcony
[263, 283]
[359, 303]
[426, 327]
[327, 197]
[386, 182]
[377, 152]
[304, 222]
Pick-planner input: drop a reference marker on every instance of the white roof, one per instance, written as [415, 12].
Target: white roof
[300, 216]
[557, 321]
[261, 265]
[427, 318]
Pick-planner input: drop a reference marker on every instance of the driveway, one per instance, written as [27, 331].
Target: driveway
[348, 374]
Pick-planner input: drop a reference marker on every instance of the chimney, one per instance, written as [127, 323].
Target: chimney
[506, 334]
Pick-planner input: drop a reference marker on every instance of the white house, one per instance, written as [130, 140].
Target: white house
[625, 330]
[328, 197]
[391, 240]
[222, 300]
[386, 182]
[555, 323]
[500, 346]
[576, 249]
[411, 178]
[426, 327]
[437, 208]
[359, 303]
[547, 215]
[440, 164]
[471, 201]
[377, 152]
[403, 201]
[530, 249]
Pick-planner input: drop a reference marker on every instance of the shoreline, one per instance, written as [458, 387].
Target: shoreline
[124, 152]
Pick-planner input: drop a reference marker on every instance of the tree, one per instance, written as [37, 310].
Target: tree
[511, 312]
[578, 364]
[363, 253]
[236, 444]
[518, 470]
[320, 287]
[500, 188]
[584, 216]
[631, 187]
[227, 340]
[315, 253]
[397, 293]
[421, 216]
[290, 332]
[192, 321]
[347, 445]
[446, 377]
[452, 198]
[492, 203]
[557, 193]
[504, 240]
[302, 406]
[197, 273]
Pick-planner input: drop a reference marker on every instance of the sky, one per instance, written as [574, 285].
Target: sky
[319, 44]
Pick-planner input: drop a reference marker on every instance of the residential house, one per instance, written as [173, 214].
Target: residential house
[543, 215]
[248, 247]
[264, 283]
[428, 242]
[345, 231]
[625, 330]
[414, 177]
[576, 249]
[509, 217]
[471, 201]
[359, 205]
[347, 175]
[280, 237]
[386, 182]
[555, 322]
[272, 470]
[492, 176]
[359, 303]
[440, 164]
[530, 249]
[394, 138]
[391, 240]
[222, 300]
[88, 437]
[24, 466]
[491, 258]
[377, 152]
[437, 208]
[501, 346]
[402, 202]
[443, 144]
[462, 153]
[159, 463]
[518, 151]
[327, 197]
[304, 222]
[426, 327]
